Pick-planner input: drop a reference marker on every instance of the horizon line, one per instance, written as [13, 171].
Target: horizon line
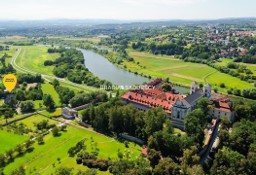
[124, 19]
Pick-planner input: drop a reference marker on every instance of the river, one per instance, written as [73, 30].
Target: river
[104, 69]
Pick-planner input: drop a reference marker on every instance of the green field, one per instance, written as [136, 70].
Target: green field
[43, 159]
[180, 72]
[9, 53]
[225, 61]
[55, 113]
[9, 140]
[49, 89]
[29, 122]
[33, 57]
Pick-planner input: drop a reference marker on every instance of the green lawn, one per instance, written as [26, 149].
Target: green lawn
[29, 122]
[49, 89]
[33, 57]
[9, 53]
[9, 140]
[225, 61]
[180, 72]
[55, 113]
[43, 159]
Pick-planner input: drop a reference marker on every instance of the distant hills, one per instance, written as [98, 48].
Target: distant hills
[4, 24]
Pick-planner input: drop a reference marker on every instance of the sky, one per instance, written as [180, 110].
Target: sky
[125, 9]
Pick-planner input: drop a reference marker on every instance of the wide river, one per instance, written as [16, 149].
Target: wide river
[104, 69]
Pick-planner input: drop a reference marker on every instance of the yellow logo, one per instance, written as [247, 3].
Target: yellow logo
[10, 82]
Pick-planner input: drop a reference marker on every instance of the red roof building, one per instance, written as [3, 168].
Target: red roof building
[221, 107]
[150, 98]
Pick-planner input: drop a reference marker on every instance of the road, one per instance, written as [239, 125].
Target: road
[47, 77]
[205, 156]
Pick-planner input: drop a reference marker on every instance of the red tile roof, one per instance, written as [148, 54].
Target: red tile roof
[153, 98]
[224, 105]
[144, 152]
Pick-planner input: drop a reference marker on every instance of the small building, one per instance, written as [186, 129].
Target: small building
[69, 113]
[221, 109]
[144, 152]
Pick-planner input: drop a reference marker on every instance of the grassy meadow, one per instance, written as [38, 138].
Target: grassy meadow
[33, 58]
[180, 72]
[225, 61]
[49, 89]
[44, 158]
[9, 140]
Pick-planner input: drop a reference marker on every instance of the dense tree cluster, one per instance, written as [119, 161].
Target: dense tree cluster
[237, 150]
[32, 93]
[171, 48]
[29, 78]
[65, 93]
[114, 116]
[71, 65]
[85, 98]
[5, 69]
[77, 148]
[27, 106]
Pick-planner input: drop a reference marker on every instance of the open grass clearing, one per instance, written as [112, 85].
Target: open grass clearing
[180, 72]
[49, 89]
[33, 57]
[57, 147]
[9, 140]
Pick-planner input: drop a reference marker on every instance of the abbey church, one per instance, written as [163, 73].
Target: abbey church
[178, 105]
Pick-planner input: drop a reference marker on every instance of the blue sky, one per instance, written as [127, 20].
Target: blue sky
[126, 9]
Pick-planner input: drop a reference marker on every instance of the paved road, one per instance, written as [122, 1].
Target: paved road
[205, 156]
[47, 77]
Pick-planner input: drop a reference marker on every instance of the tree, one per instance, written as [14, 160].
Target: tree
[166, 87]
[19, 171]
[194, 124]
[242, 136]
[2, 160]
[196, 170]
[90, 171]
[55, 131]
[115, 121]
[48, 101]
[167, 166]
[203, 104]
[19, 149]
[27, 106]
[228, 162]
[8, 114]
[64, 171]
[20, 95]
[224, 138]
[56, 83]
[28, 144]
[9, 154]
[154, 157]
[141, 167]
[40, 139]
[251, 159]
[154, 120]
[189, 159]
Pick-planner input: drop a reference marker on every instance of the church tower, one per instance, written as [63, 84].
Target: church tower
[207, 90]
[193, 87]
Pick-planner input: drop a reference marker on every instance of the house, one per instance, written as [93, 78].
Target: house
[221, 107]
[69, 113]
